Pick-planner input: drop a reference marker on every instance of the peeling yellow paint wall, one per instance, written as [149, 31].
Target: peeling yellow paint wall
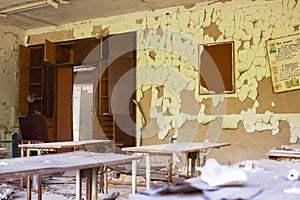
[169, 42]
[9, 40]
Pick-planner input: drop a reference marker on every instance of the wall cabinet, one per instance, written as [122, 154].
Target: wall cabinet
[36, 85]
[46, 78]
[46, 81]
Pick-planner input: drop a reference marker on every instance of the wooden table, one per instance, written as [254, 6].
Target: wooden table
[292, 155]
[54, 146]
[192, 151]
[76, 160]
[4, 150]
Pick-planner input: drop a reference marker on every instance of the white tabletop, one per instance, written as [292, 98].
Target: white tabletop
[180, 147]
[61, 145]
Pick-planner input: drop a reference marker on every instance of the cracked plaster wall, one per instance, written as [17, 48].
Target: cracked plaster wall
[9, 40]
[168, 58]
[171, 40]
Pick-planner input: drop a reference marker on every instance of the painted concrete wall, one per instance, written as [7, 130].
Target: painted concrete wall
[169, 42]
[9, 40]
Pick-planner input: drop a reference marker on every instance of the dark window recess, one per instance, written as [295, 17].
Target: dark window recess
[216, 69]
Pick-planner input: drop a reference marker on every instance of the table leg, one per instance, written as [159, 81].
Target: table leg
[22, 178]
[28, 188]
[105, 181]
[101, 180]
[170, 163]
[40, 193]
[187, 165]
[78, 185]
[95, 183]
[148, 171]
[88, 187]
[198, 161]
[133, 182]
[39, 181]
[193, 156]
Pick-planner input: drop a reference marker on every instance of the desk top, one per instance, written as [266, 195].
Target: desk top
[180, 147]
[61, 145]
[33, 165]
[4, 150]
[268, 181]
[21, 141]
[284, 153]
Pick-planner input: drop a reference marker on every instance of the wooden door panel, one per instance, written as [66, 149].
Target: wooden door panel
[24, 62]
[50, 52]
[64, 104]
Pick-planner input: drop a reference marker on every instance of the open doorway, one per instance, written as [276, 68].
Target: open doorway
[82, 111]
[83, 102]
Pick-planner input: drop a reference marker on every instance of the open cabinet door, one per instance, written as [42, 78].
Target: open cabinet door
[24, 63]
[86, 51]
[50, 52]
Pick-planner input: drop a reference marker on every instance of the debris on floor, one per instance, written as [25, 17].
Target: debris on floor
[6, 191]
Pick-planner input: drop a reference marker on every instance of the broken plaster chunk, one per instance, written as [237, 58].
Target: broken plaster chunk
[238, 84]
[207, 19]
[176, 62]
[251, 72]
[174, 110]
[295, 134]
[231, 121]
[267, 116]
[250, 128]
[195, 17]
[164, 132]
[216, 99]
[293, 138]
[255, 104]
[139, 94]
[182, 118]
[83, 31]
[243, 94]
[163, 121]
[183, 20]
[189, 51]
[243, 55]
[176, 43]
[238, 34]
[253, 92]
[202, 108]
[272, 104]
[208, 39]
[242, 66]
[260, 73]
[253, 82]
[207, 119]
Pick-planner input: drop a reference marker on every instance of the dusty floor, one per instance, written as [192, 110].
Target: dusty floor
[63, 187]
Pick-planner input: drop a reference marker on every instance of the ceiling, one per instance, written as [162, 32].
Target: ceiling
[22, 14]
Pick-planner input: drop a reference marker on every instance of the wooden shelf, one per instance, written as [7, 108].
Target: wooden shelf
[35, 84]
[36, 67]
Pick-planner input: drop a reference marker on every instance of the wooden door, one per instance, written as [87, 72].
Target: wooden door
[64, 104]
[122, 86]
[121, 75]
